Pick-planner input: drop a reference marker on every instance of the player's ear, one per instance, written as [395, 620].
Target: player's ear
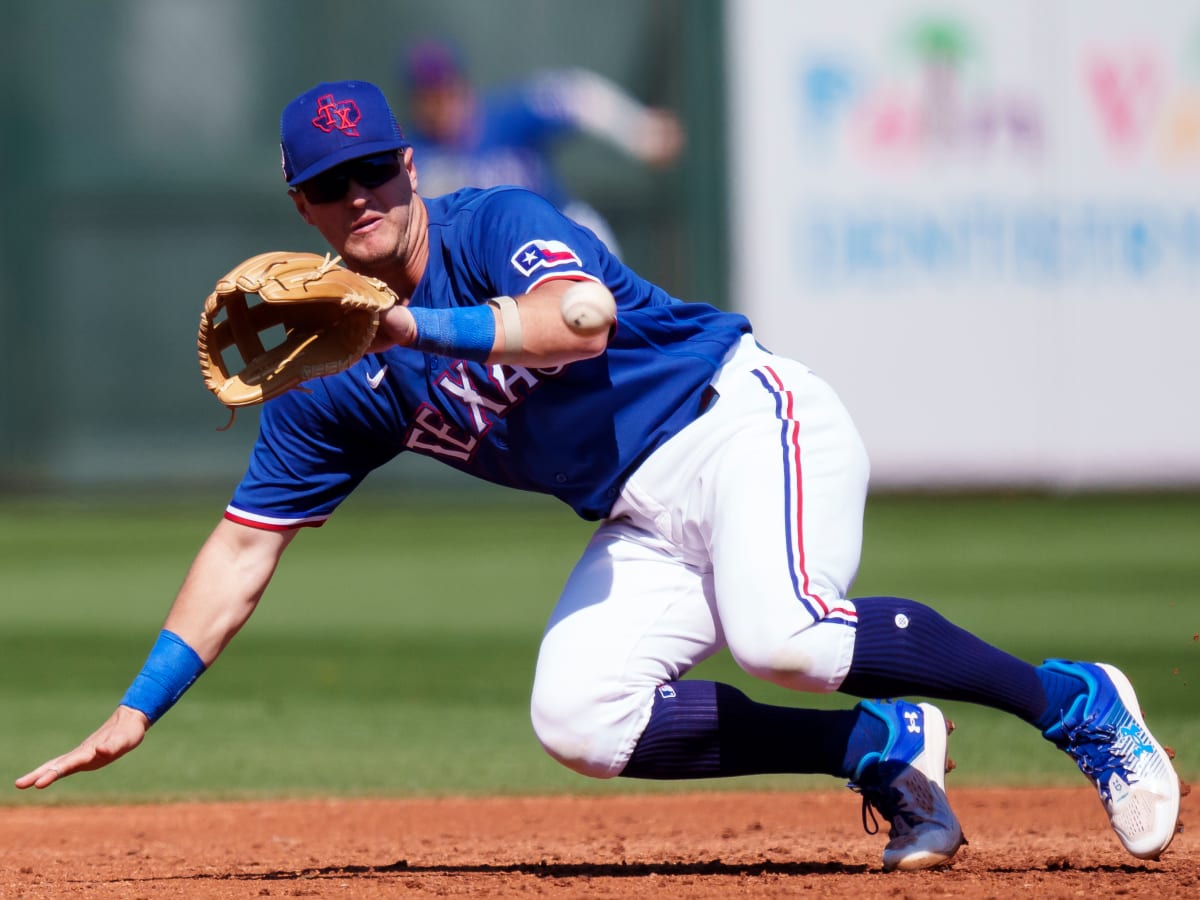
[406, 157]
[301, 206]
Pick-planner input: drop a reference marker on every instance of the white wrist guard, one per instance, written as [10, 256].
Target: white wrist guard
[510, 324]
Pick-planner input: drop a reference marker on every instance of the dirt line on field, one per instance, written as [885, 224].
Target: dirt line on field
[1045, 842]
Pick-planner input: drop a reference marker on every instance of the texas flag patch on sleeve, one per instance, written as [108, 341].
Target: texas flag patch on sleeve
[543, 255]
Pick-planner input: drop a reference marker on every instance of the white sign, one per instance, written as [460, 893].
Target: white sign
[981, 223]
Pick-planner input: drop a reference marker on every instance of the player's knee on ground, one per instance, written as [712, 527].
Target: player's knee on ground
[590, 734]
[814, 660]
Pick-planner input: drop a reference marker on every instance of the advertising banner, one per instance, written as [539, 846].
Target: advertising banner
[981, 223]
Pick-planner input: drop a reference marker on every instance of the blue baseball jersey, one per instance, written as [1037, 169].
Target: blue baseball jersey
[575, 431]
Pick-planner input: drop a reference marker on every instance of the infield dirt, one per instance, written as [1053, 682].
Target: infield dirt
[1043, 843]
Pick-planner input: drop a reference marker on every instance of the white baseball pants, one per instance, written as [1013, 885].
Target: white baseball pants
[744, 530]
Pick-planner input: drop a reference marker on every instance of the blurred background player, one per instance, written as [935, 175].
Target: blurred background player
[465, 137]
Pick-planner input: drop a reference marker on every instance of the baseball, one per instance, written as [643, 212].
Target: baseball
[588, 307]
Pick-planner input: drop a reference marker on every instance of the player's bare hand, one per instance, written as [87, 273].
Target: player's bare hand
[396, 326]
[661, 138]
[124, 730]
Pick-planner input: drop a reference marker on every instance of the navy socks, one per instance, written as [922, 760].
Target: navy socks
[703, 729]
[904, 648]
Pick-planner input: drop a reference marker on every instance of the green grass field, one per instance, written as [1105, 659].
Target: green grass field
[393, 653]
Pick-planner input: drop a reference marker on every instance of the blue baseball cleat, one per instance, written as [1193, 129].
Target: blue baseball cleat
[1103, 731]
[905, 783]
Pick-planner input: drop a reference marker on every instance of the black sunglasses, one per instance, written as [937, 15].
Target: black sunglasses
[368, 171]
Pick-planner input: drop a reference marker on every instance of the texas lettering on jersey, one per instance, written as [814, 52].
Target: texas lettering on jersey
[506, 387]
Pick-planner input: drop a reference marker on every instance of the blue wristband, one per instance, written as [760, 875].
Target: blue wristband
[467, 332]
[170, 669]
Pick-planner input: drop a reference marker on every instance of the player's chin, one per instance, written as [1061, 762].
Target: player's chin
[368, 252]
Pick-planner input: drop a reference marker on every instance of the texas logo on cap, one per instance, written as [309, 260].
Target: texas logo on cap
[343, 115]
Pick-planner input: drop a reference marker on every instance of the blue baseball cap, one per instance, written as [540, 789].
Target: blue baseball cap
[334, 122]
[431, 63]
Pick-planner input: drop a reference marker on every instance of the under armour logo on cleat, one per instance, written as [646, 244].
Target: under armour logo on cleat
[912, 719]
[1141, 744]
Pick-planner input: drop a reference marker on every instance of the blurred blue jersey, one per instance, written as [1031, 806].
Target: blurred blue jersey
[508, 141]
[574, 431]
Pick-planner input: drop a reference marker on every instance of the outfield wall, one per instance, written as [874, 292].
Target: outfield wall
[981, 222]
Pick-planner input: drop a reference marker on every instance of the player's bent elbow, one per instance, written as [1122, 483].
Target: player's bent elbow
[570, 350]
[591, 345]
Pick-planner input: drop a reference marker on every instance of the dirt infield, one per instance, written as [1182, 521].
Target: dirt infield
[1044, 843]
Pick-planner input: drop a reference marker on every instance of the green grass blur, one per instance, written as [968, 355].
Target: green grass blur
[394, 651]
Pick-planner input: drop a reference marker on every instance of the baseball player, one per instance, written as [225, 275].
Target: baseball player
[728, 483]
[508, 135]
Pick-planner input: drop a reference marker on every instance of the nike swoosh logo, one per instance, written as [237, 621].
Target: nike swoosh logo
[375, 380]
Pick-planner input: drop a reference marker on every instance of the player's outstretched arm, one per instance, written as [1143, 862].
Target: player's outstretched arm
[602, 108]
[221, 590]
[540, 338]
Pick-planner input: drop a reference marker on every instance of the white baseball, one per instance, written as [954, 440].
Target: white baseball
[588, 307]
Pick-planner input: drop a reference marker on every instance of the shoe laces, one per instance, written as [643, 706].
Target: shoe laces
[1094, 747]
[869, 822]
[890, 802]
